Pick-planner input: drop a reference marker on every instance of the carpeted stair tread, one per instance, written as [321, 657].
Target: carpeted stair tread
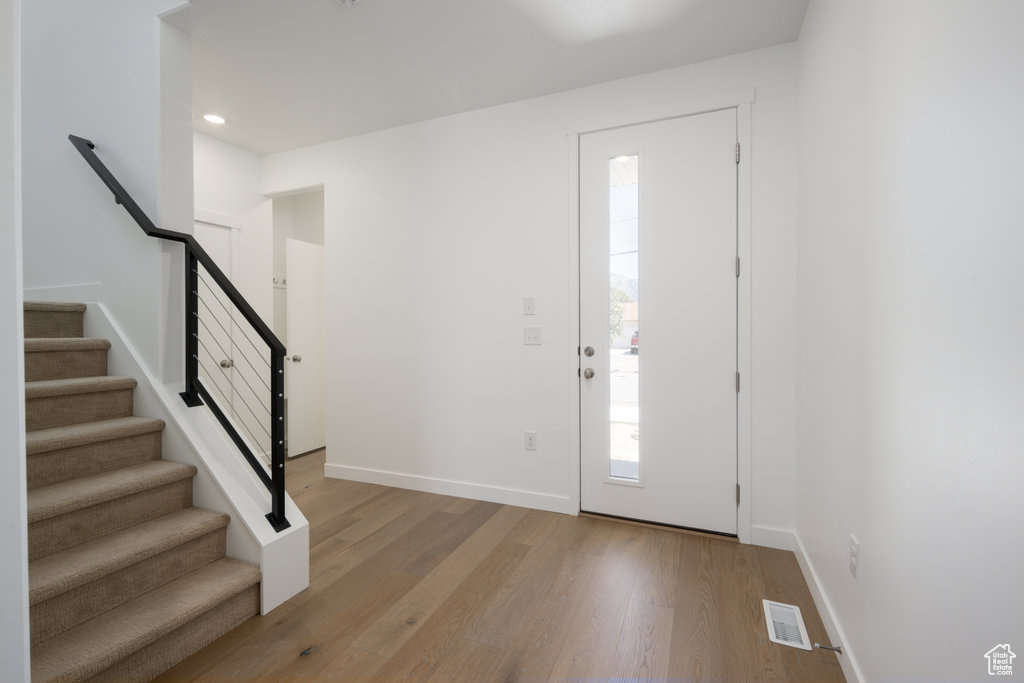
[71, 436]
[58, 573]
[95, 645]
[57, 344]
[69, 496]
[53, 307]
[76, 385]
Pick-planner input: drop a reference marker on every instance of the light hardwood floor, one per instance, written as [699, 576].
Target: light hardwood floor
[409, 585]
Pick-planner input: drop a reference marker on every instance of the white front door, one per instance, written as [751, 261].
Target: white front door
[306, 367]
[658, 331]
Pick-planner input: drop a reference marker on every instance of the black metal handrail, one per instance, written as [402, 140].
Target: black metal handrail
[195, 392]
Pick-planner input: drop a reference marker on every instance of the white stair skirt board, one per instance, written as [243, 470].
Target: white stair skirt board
[785, 625]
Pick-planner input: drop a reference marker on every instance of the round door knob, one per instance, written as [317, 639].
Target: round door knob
[295, 359]
[589, 373]
[589, 351]
[227, 363]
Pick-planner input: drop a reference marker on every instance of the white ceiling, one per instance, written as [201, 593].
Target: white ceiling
[290, 73]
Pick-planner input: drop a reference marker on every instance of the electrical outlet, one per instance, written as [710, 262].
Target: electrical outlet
[855, 557]
[529, 305]
[531, 336]
[530, 441]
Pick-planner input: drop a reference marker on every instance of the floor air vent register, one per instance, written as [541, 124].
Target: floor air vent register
[785, 625]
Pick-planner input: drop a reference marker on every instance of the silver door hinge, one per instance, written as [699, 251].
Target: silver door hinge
[737, 152]
[737, 266]
[737, 382]
[737, 494]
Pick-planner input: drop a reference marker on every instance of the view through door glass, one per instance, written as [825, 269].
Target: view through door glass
[624, 316]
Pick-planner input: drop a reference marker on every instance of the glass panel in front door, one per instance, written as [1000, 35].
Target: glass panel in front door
[624, 316]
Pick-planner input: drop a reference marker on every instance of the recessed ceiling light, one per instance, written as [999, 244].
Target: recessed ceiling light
[213, 118]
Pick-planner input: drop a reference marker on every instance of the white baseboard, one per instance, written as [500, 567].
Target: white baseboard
[448, 487]
[847, 660]
[770, 537]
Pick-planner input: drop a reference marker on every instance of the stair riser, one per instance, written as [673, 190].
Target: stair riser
[65, 611]
[57, 411]
[54, 534]
[82, 461]
[53, 324]
[65, 364]
[155, 658]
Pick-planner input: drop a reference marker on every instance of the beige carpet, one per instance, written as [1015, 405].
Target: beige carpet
[126, 577]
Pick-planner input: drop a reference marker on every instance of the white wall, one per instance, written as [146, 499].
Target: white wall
[435, 231]
[14, 624]
[227, 178]
[102, 83]
[910, 329]
[227, 183]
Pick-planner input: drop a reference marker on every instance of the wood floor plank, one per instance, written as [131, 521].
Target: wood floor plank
[389, 633]
[467, 660]
[428, 647]
[458, 505]
[519, 599]
[657, 575]
[751, 656]
[784, 583]
[353, 664]
[313, 645]
[590, 649]
[644, 645]
[697, 652]
[421, 554]
[413, 585]
[342, 556]
[535, 528]
[535, 648]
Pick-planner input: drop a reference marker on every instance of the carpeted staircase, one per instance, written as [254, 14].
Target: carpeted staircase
[126, 577]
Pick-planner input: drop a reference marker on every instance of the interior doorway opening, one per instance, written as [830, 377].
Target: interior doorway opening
[298, 319]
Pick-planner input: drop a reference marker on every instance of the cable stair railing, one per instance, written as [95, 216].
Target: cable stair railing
[217, 319]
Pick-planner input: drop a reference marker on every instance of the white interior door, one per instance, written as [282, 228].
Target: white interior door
[658, 310]
[233, 362]
[216, 349]
[304, 385]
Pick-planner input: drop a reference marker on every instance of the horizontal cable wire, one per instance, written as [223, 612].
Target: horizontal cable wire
[203, 280]
[233, 344]
[223, 394]
[238, 420]
[244, 402]
[240, 373]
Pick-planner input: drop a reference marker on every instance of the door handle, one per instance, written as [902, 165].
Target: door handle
[589, 373]
[589, 351]
[295, 359]
[227, 363]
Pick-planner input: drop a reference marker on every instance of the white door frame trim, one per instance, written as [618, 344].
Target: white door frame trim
[741, 100]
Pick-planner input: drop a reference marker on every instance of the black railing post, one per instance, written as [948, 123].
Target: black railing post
[276, 516]
[191, 395]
